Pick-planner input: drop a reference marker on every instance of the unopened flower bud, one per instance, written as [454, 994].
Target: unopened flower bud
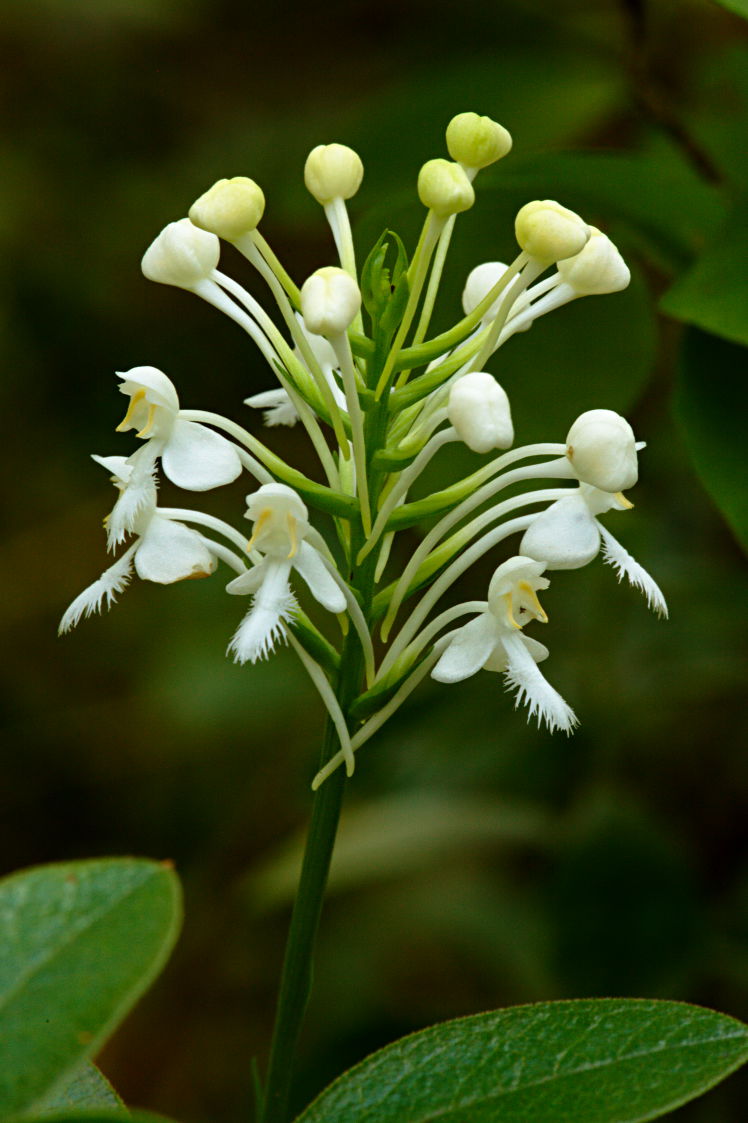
[479, 283]
[444, 188]
[479, 410]
[181, 255]
[229, 208]
[602, 449]
[477, 141]
[549, 232]
[597, 269]
[330, 300]
[333, 171]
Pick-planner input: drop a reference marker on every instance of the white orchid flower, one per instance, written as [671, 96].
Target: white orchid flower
[494, 641]
[164, 551]
[278, 407]
[192, 455]
[281, 524]
[568, 535]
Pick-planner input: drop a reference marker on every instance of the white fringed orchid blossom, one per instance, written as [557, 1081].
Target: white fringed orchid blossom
[379, 396]
[494, 641]
[568, 535]
[281, 525]
[192, 456]
[164, 551]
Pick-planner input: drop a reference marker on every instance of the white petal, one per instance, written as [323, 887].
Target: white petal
[263, 626]
[196, 458]
[170, 551]
[109, 585]
[564, 536]
[469, 649]
[615, 555]
[249, 582]
[137, 499]
[532, 689]
[278, 407]
[498, 661]
[322, 586]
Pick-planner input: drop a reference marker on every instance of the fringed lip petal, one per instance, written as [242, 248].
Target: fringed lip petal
[107, 587]
[263, 626]
[170, 551]
[470, 648]
[198, 459]
[322, 586]
[623, 563]
[532, 689]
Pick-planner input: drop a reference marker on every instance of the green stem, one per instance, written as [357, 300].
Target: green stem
[297, 966]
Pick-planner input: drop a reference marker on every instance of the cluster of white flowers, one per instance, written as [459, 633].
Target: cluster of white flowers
[352, 362]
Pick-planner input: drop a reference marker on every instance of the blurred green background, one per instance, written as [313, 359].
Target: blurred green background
[481, 862]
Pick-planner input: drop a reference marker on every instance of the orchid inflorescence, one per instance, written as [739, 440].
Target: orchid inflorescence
[354, 364]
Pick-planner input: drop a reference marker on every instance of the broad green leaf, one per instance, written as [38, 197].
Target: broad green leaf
[713, 294]
[87, 1089]
[588, 1061]
[83, 1115]
[711, 404]
[81, 942]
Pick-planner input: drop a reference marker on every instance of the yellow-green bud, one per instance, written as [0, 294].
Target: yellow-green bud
[229, 208]
[477, 141]
[549, 232]
[444, 188]
[333, 171]
[330, 300]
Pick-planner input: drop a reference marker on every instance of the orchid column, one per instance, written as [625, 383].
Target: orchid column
[349, 357]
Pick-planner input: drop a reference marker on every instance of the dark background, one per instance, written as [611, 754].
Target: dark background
[482, 863]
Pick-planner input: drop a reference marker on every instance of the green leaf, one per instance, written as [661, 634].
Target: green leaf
[711, 404]
[81, 942]
[713, 294]
[88, 1089]
[84, 1115]
[587, 1061]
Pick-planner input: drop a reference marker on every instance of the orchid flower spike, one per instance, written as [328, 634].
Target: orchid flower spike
[281, 523]
[192, 456]
[164, 551]
[494, 641]
[568, 535]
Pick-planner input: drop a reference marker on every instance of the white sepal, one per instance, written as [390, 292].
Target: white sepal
[469, 649]
[197, 459]
[310, 566]
[170, 551]
[564, 536]
[623, 563]
[597, 269]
